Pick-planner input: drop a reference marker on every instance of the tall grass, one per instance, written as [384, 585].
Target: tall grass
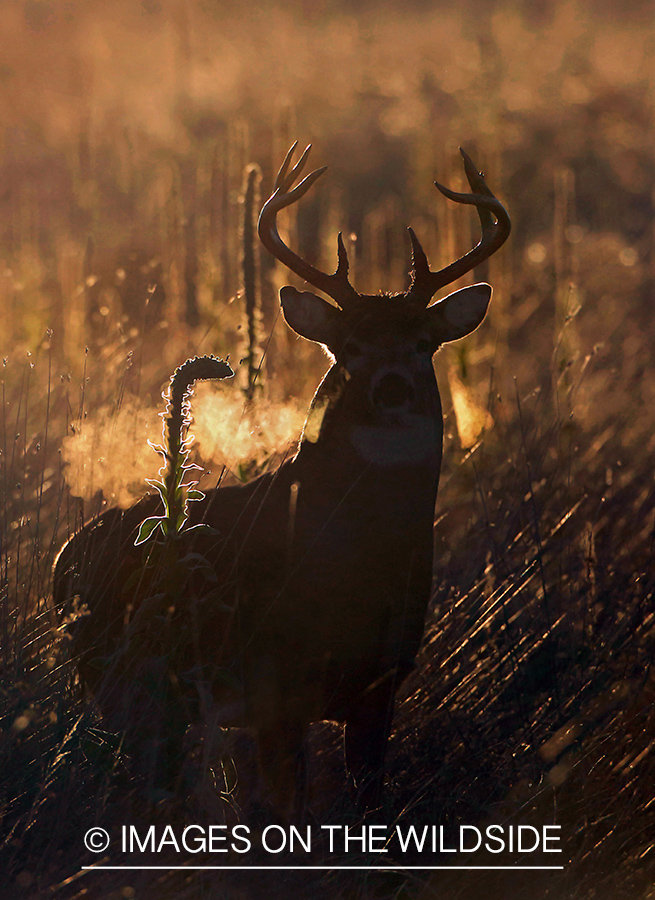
[120, 232]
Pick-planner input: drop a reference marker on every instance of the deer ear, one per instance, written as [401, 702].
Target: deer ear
[459, 313]
[311, 317]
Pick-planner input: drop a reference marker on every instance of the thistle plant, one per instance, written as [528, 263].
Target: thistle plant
[157, 644]
[175, 493]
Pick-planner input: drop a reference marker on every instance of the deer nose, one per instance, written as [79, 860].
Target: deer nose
[393, 391]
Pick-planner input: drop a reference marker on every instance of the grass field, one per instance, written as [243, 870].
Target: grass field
[126, 132]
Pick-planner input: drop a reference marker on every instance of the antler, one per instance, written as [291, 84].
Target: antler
[284, 194]
[426, 283]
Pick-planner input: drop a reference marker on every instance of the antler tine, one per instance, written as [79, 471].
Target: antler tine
[494, 234]
[284, 194]
[420, 266]
[285, 180]
[286, 197]
[279, 178]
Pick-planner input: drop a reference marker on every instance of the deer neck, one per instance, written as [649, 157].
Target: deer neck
[346, 438]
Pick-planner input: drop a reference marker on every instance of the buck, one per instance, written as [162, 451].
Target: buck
[312, 585]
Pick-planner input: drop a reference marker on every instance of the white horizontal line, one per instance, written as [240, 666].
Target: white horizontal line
[398, 868]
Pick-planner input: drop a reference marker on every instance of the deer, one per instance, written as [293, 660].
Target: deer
[302, 593]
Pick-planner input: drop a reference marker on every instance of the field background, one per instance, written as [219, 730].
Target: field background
[126, 130]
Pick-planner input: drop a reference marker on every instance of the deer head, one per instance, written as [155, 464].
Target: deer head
[382, 344]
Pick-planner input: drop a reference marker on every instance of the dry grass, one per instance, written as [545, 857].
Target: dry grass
[534, 698]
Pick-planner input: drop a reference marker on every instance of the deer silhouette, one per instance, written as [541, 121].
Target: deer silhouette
[302, 596]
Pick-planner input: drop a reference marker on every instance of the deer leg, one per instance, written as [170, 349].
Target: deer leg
[283, 765]
[367, 731]
[150, 712]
